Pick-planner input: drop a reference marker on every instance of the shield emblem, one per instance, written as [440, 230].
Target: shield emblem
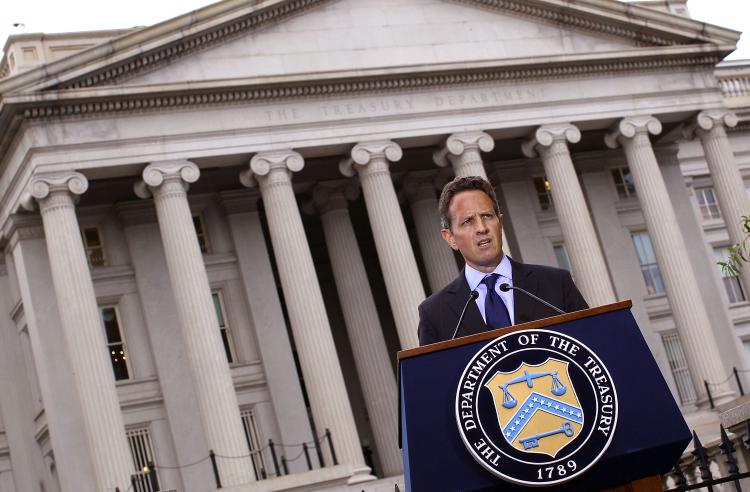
[537, 407]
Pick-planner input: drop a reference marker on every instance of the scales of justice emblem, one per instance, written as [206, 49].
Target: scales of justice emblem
[537, 407]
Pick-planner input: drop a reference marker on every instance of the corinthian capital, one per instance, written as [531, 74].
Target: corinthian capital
[366, 152]
[43, 185]
[156, 173]
[546, 135]
[263, 163]
[631, 126]
[458, 143]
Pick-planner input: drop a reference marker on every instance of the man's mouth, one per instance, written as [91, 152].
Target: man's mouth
[484, 242]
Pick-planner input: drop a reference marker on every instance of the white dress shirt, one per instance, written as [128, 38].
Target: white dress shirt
[474, 279]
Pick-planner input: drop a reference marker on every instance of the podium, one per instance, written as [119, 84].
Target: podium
[438, 431]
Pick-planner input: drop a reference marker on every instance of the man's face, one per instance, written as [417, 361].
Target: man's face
[476, 230]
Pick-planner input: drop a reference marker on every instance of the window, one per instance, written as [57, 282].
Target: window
[542, 187]
[200, 232]
[623, 182]
[143, 454]
[647, 259]
[92, 242]
[562, 257]
[707, 203]
[678, 365]
[118, 353]
[226, 336]
[732, 284]
[253, 439]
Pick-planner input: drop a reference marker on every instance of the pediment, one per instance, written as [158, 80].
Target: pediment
[352, 35]
[278, 39]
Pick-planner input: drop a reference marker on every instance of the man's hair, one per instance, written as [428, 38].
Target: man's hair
[458, 185]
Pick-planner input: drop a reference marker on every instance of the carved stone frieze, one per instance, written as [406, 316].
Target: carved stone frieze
[396, 82]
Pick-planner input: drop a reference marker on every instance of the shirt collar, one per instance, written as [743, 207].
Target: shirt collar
[474, 277]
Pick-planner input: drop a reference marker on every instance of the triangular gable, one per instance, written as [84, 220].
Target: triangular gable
[221, 29]
[352, 35]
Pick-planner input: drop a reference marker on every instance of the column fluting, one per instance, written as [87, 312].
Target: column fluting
[323, 379]
[402, 280]
[688, 308]
[361, 318]
[220, 414]
[726, 176]
[439, 260]
[463, 152]
[581, 242]
[83, 330]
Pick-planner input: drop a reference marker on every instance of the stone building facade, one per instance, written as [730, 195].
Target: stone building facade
[216, 230]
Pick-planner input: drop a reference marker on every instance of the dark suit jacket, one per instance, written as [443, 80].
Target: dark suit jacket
[439, 313]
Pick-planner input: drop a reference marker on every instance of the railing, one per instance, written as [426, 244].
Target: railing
[706, 466]
[147, 481]
[734, 79]
[734, 374]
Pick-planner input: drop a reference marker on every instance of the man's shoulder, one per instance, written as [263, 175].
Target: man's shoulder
[438, 298]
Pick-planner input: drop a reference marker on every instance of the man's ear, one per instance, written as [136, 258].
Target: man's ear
[448, 236]
[500, 218]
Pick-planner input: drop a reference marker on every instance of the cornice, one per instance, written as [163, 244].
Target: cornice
[150, 60]
[149, 48]
[96, 102]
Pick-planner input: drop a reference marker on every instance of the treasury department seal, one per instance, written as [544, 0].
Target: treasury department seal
[536, 407]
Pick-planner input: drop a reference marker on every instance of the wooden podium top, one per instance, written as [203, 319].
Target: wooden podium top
[489, 335]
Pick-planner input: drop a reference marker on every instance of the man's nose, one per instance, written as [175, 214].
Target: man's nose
[482, 227]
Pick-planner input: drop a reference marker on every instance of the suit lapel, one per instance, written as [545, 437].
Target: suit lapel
[473, 322]
[523, 306]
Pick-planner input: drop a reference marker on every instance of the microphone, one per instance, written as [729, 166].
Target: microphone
[472, 296]
[505, 288]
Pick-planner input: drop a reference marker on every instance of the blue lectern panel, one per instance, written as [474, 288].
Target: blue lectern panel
[650, 435]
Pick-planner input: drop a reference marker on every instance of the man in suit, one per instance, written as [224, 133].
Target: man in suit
[472, 225]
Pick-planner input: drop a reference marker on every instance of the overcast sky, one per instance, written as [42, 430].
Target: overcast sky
[85, 15]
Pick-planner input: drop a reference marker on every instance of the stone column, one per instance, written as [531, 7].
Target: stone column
[82, 328]
[168, 183]
[688, 309]
[581, 243]
[438, 257]
[462, 152]
[323, 378]
[362, 324]
[728, 183]
[402, 281]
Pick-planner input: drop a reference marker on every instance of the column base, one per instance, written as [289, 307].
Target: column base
[333, 478]
[360, 474]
